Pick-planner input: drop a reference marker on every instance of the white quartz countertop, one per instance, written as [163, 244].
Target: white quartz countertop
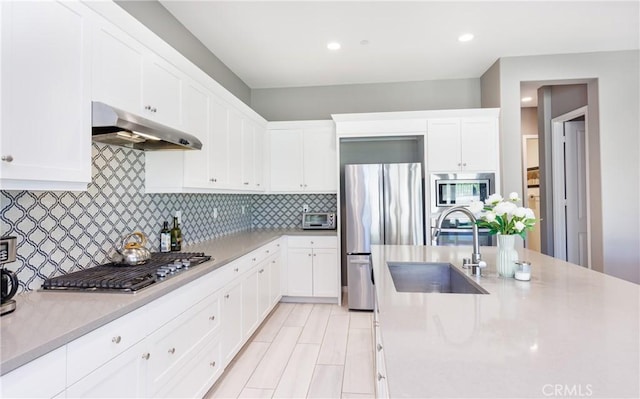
[569, 332]
[44, 321]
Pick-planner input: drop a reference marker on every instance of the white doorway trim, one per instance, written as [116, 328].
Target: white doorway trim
[525, 163]
[558, 159]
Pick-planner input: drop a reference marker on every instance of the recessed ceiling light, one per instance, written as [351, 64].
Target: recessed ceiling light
[526, 99]
[333, 46]
[465, 38]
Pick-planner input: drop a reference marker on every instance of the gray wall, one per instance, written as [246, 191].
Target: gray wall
[308, 103]
[615, 125]
[490, 87]
[155, 17]
[529, 122]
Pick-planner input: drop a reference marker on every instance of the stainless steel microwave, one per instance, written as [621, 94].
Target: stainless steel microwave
[452, 189]
[318, 220]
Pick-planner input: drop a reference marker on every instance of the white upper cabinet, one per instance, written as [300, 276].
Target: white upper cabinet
[234, 155]
[197, 106]
[219, 148]
[465, 144]
[45, 133]
[286, 160]
[303, 159]
[115, 82]
[131, 77]
[320, 160]
[161, 91]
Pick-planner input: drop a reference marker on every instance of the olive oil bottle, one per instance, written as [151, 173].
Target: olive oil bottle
[176, 235]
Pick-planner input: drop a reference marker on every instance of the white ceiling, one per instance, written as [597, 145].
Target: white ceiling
[283, 44]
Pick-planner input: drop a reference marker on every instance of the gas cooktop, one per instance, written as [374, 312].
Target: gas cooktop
[117, 277]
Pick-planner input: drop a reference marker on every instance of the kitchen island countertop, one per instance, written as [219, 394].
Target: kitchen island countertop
[44, 321]
[570, 331]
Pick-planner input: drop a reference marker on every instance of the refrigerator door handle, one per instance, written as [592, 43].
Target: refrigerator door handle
[372, 281]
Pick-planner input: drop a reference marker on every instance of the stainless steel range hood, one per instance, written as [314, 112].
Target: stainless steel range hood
[114, 126]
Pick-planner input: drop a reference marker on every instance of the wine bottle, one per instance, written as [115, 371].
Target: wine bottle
[176, 235]
[165, 238]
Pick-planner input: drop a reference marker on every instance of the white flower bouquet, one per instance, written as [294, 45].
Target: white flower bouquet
[503, 216]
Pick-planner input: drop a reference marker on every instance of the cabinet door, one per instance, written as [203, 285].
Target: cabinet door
[275, 274]
[231, 321]
[264, 289]
[250, 303]
[196, 122]
[286, 160]
[235, 148]
[117, 83]
[443, 145]
[248, 161]
[161, 91]
[325, 272]
[45, 133]
[300, 272]
[49, 372]
[479, 140]
[219, 148]
[125, 376]
[320, 160]
[258, 158]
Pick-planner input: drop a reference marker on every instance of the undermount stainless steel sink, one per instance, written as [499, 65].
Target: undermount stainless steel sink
[432, 277]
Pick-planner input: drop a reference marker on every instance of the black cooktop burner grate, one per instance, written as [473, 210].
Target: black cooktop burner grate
[118, 277]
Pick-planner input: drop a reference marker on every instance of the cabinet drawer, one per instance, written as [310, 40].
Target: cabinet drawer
[312, 242]
[173, 345]
[40, 378]
[90, 351]
[198, 376]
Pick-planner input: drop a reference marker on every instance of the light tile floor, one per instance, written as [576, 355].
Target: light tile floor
[304, 351]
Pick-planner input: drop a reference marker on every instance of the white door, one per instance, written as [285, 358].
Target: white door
[319, 153]
[443, 144]
[196, 122]
[300, 272]
[325, 272]
[219, 151]
[576, 192]
[286, 160]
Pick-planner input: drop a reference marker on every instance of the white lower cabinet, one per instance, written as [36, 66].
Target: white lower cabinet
[312, 267]
[232, 321]
[48, 371]
[175, 346]
[124, 376]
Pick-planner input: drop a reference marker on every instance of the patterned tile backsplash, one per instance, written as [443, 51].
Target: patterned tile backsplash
[285, 210]
[59, 232]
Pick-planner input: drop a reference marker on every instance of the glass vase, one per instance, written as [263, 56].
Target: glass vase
[507, 255]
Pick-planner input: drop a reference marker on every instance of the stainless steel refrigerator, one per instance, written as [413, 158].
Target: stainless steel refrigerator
[383, 205]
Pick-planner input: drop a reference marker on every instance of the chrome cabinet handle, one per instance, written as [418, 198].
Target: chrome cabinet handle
[116, 339]
[227, 296]
[267, 251]
[261, 271]
[301, 185]
[146, 356]
[253, 259]
[147, 107]
[380, 376]
[236, 269]
[308, 254]
[7, 158]
[246, 183]
[314, 254]
[213, 180]
[172, 351]
[212, 318]
[212, 364]
[311, 242]
[379, 347]
[154, 110]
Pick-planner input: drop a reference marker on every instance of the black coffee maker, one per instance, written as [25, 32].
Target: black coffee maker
[9, 278]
